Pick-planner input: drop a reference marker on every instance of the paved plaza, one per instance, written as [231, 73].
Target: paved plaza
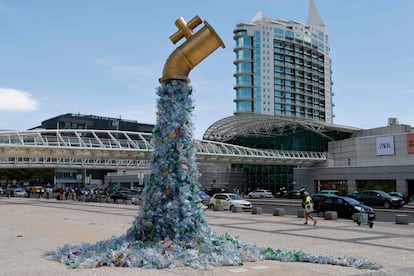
[30, 227]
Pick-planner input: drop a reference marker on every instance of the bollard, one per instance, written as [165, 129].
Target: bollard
[355, 217]
[218, 208]
[301, 213]
[236, 209]
[278, 212]
[401, 219]
[128, 201]
[257, 210]
[331, 215]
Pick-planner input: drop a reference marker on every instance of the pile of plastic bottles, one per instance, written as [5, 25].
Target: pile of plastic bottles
[171, 229]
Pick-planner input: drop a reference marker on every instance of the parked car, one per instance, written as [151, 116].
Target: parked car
[205, 198]
[260, 193]
[329, 192]
[281, 193]
[397, 194]
[137, 199]
[213, 191]
[352, 194]
[124, 195]
[345, 207]
[318, 199]
[379, 198]
[35, 190]
[20, 192]
[295, 194]
[228, 200]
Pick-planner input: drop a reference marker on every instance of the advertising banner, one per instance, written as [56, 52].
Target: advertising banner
[385, 145]
[410, 143]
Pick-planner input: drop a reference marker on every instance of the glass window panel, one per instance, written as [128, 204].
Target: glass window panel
[244, 107]
[244, 93]
[289, 34]
[279, 33]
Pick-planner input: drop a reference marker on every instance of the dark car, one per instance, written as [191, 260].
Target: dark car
[379, 198]
[124, 195]
[318, 199]
[205, 198]
[329, 192]
[214, 191]
[397, 194]
[282, 192]
[295, 194]
[345, 207]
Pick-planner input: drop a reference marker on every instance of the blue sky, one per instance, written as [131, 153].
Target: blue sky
[104, 57]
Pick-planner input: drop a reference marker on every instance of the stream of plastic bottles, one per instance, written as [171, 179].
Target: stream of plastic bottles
[171, 229]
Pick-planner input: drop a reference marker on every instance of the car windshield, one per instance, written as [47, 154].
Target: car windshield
[352, 201]
[384, 194]
[234, 197]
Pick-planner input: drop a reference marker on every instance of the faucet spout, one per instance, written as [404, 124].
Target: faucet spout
[196, 48]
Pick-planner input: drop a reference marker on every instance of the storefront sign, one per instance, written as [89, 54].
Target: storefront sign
[385, 145]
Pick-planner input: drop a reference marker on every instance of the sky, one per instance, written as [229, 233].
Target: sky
[104, 57]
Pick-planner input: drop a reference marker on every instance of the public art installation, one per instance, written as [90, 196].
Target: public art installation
[171, 229]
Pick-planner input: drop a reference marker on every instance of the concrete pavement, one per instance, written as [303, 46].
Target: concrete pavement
[30, 227]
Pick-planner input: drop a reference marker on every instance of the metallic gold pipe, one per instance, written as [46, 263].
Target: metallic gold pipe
[197, 47]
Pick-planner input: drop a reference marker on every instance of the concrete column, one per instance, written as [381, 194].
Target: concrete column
[351, 185]
[401, 186]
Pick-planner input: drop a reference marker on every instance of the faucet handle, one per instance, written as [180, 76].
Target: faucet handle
[185, 29]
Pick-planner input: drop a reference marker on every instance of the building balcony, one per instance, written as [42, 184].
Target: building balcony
[237, 86]
[242, 47]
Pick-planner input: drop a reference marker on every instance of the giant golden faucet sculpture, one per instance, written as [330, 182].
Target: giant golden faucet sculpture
[197, 47]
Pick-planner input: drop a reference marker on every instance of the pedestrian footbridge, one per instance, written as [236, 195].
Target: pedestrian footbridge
[111, 149]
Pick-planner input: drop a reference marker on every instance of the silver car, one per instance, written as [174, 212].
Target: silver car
[21, 192]
[260, 193]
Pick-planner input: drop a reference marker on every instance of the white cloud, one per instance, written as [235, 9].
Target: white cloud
[17, 101]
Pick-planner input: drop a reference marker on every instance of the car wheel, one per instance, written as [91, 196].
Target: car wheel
[387, 205]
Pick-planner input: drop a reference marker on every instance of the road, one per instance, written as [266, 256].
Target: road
[292, 206]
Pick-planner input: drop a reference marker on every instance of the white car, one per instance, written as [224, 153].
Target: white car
[19, 192]
[261, 194]
[228, 200]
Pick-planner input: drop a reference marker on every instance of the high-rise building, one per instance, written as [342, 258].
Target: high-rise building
[283, 67]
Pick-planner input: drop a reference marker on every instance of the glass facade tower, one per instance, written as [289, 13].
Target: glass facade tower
[283, 67]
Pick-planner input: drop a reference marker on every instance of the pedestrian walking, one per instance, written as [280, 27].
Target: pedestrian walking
[307, 203]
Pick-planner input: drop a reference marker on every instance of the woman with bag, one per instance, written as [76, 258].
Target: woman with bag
[308, 208]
